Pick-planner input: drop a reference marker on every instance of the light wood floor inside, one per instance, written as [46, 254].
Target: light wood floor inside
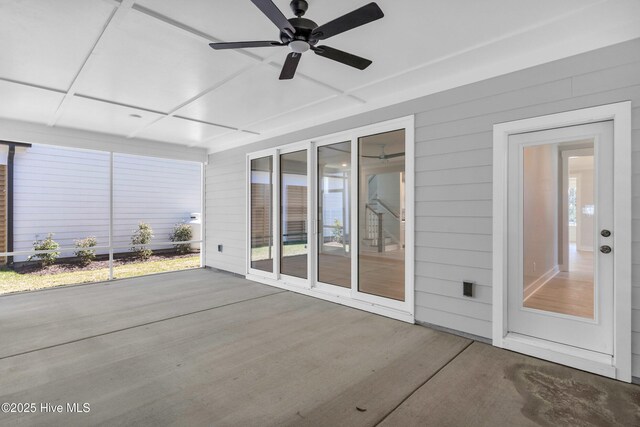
[381, 274]
[570, 292]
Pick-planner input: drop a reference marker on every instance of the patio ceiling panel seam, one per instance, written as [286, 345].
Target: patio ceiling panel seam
[259, 61]
[117, 13]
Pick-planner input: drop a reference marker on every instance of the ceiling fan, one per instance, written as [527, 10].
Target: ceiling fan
[301, 34]
[385, 156]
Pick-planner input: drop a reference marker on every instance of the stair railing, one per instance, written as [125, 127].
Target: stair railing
[373, 227]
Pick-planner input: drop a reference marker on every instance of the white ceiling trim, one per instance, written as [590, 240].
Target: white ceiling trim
[35, 86]
[19, 131]
[117, 13]
[302, 107]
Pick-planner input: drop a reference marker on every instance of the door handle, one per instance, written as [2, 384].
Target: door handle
[605, 249]
[605, 233]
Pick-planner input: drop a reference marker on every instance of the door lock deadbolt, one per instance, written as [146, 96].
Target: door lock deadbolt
[605, 249]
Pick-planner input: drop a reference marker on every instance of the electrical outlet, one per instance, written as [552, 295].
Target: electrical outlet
[467, 289]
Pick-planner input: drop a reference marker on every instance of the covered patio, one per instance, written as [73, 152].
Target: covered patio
[186, 348]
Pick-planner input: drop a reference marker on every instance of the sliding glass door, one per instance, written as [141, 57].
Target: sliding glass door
[261, 211]
[381, 214]
[294, 214]
[329, 218]
[334, 212]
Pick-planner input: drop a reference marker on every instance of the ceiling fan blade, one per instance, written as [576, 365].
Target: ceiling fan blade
[343, 57]
[351, 20]
[391, 156]
[244, 45]
[275, 15]
[290, 66]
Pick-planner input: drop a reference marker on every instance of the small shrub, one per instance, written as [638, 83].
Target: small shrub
[47, 244]
[181, 233]
[139, 239]
[83, 250]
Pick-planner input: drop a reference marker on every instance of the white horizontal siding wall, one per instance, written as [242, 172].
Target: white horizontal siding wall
[66, 192]
[60, 191]
[159, 192]
[454, 177]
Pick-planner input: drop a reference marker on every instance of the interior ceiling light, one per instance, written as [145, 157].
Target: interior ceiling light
[301, 34]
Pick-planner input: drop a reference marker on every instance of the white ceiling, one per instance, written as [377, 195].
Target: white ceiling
[92, 64]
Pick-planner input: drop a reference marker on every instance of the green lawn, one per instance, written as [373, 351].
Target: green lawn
[10, 281]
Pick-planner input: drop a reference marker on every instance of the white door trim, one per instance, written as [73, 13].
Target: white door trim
[620, 367]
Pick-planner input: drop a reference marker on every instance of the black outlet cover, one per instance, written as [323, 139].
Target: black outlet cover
[467, 289]
[219, 248]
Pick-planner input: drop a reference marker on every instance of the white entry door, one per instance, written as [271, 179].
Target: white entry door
[560, 236]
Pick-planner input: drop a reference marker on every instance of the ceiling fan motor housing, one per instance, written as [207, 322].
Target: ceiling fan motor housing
[304, 27]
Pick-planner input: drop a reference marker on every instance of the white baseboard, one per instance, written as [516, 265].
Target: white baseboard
[540, 282]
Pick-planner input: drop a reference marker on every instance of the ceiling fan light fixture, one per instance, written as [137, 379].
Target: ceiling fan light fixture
[299, 46]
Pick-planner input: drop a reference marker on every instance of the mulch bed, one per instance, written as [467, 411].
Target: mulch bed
[70, 267]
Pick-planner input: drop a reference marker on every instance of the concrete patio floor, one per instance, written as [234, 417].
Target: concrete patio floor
[207, 348]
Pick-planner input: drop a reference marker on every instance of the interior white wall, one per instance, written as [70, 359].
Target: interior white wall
[584, 238]
[540, 197]
[453, 192]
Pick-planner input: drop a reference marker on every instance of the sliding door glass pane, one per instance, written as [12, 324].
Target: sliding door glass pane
[293, 213]
[381, 207]
[262, 249]
[334, 236]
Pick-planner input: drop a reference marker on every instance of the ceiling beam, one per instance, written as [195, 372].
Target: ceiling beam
[118, 13]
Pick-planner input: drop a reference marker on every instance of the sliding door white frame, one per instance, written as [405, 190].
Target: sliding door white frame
[287, 279]
[275, 228]
[401, 310]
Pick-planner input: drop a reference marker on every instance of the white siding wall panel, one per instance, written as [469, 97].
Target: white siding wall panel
[453, 176]
[66, 192]
[160, 192]
[61, 191]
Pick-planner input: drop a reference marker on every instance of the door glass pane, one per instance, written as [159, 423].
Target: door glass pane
[262, 249]
[559, 207]
[334, 236]
[381, 207]
[293, 214]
